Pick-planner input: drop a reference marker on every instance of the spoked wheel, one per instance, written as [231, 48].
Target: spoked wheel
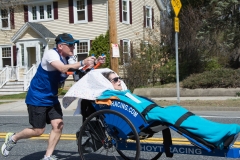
[103, 132]
[144, 155]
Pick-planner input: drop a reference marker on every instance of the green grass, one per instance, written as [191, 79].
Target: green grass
[21, 95]
[14, 96]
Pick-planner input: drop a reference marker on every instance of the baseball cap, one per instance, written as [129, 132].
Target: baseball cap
[66, 38]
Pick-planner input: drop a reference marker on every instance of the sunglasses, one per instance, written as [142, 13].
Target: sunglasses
[115, 79]
[69, 45]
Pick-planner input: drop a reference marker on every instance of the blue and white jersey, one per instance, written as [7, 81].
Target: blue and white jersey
[43, 90]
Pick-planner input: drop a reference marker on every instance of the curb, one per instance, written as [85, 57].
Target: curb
[184, 92]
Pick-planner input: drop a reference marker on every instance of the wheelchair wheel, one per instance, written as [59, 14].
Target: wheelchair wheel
[101, 134]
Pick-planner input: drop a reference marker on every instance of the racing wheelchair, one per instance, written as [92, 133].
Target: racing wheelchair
[119, 131]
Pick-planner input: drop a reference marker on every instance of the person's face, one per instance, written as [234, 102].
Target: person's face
[115, 80]
[66, 49]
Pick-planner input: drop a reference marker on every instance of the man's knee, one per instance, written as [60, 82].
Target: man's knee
[57, 124]
[39, 131]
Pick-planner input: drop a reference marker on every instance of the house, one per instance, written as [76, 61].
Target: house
[29, 27]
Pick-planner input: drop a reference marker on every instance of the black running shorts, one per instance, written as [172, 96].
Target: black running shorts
[39, 116]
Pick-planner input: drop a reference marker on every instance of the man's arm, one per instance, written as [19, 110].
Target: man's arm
[89, 61]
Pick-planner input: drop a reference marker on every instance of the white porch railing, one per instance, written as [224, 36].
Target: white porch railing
[28, 76]
[9, 73]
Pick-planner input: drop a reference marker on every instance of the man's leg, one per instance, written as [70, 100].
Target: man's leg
[28, 133]
[38, 121]
[57, 126]
[12, 138]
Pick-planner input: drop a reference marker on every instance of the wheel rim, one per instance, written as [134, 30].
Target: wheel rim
[98, 138]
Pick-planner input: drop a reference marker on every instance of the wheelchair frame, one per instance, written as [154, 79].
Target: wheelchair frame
[135, 119]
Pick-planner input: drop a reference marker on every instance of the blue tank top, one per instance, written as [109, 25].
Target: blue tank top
[43, 88]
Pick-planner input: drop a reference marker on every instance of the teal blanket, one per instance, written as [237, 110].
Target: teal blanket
[213, 132]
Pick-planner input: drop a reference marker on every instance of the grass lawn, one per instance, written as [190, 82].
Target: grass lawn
[21, 95]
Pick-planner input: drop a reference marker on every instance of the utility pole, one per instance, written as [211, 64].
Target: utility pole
[112, 33]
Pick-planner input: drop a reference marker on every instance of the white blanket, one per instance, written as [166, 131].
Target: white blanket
[90, 86]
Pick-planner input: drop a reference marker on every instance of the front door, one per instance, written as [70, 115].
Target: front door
[31, 52]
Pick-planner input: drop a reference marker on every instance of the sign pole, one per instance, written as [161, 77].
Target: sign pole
[176, 4]
[177, 67]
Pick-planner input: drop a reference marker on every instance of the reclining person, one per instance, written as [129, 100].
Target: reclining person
[212, 132]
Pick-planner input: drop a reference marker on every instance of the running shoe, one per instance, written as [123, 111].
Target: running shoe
[8, 144]
[52, 157]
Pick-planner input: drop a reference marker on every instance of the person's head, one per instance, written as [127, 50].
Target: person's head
[65, 44]
[114, 79]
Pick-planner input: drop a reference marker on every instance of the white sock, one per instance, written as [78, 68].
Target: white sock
[12, 138]
[46, 156]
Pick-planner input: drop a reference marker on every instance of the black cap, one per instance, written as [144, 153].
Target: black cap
[65, 38]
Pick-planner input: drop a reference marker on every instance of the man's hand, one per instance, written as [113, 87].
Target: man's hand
[89, 61]
[101, 59]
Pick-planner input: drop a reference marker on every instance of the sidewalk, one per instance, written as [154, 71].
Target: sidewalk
[19, 106]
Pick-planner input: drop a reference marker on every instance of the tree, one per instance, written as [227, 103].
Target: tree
[99, 46]
[222, 28]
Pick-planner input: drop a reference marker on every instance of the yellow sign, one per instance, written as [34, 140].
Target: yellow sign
[176, 24]
[177, 5]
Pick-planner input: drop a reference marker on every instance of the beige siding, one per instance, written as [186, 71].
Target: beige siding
[30, 34]
[88, 30]
[6, 35]
[135, 31]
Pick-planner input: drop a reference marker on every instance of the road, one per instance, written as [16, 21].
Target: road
[32, 149]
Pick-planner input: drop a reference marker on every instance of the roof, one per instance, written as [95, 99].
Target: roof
[40, 29]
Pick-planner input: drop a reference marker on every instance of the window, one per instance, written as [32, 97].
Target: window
[125, 11]
[83, 48]
[40, 12]
[6, 56]
[126, 50]
[80, 11]
[148, 17]
[5, 19]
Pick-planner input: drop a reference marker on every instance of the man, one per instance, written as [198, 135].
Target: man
[42, 97]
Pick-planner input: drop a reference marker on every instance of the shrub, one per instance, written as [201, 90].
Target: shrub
[218, 78]
[99, 46]
[150, 66]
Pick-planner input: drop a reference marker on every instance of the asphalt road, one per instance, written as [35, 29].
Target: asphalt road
[66, 149]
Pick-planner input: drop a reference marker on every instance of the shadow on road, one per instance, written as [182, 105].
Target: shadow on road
[66, 155]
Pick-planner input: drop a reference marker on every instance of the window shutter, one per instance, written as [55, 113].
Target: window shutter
[70, 7]
[25, 13]
[131, 49]
[152, 18]
[121, 52]
[130, 9]
[144, 16]
[120, 10]
[12, 18]
[14, 55]
[89, 6]
[55, 10]
[91, 43]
